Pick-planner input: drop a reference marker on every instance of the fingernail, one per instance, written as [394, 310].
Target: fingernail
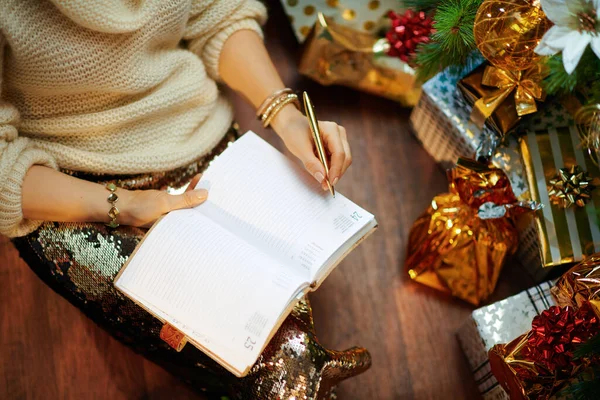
[335, 180]
[201, 194]
[319, 176]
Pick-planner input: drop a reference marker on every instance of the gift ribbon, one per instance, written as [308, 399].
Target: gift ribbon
[525, 84]
[538, 363]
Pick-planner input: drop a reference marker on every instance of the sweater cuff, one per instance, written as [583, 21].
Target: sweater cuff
[212, 50]
[12, 223]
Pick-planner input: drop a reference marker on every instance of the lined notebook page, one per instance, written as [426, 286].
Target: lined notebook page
[269, 201]
[229, 294]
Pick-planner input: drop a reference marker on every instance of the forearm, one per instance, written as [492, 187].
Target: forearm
[50, 195]
[245, 66]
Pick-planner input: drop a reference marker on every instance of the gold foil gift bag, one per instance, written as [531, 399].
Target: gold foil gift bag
[338, 55]
[461, 242]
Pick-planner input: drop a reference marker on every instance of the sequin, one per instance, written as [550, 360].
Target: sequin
[80, 261]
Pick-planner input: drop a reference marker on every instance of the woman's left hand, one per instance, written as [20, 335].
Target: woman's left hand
[293, 128]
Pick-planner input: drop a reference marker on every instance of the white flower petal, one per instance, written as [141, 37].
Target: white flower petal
[573, 52]
[557, 11]
[595, 43]
[556, 39]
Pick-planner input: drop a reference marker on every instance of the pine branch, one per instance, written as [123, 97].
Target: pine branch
[590, 347]
[586, 387]
[453, 42]
[584, 80]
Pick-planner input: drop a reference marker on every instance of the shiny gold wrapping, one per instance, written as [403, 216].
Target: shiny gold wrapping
[505, 361]
[523, 375]
[521, 378]
[566, 235]
[453, 248]
[580, 284]
[540, 363]
[499, 109]
[338, 55]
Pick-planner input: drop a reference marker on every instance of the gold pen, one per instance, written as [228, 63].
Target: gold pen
[314, 128]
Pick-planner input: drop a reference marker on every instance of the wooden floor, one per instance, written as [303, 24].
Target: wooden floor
[50, 351]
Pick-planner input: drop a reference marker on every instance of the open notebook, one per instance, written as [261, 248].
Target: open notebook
[228, 272]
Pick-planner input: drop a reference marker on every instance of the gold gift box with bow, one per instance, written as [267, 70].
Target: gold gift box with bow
[566, 235]
[338, 55]
[501, 98]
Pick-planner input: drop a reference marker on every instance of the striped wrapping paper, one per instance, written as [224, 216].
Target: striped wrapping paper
[565, 235]
[496, 323]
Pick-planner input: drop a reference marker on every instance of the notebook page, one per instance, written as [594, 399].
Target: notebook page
[218, 290]
[268, 200]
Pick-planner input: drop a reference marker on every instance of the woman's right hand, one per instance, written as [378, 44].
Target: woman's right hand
[142, 208]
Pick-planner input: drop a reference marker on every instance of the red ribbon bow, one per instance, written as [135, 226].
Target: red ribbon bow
[556, 332]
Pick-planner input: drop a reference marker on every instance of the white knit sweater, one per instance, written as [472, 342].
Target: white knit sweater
[110, 86]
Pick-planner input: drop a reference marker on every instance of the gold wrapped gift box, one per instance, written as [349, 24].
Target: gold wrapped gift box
[338, 55]
[500, 98]
[566, 235]
[504, 117]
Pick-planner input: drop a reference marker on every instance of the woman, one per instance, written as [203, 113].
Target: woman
[124, 92]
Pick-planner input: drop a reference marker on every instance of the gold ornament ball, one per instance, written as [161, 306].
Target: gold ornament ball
[507, 32]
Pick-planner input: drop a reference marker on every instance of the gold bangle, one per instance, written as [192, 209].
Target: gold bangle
[280, 106]
[267, 102]
[114, 212]
[274, 105]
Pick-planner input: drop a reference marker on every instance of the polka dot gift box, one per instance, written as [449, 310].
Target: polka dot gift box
[362, 15]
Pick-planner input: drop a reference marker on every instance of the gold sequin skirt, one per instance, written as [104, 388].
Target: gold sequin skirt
[80, 261]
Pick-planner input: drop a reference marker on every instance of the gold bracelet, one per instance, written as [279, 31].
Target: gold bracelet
[274, 105]
[267, 102]
[114, 212]
[292, 99]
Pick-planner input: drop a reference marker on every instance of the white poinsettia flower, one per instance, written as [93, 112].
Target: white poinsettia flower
[575, 26]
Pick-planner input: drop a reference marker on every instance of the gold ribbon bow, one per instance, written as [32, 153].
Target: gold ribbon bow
[526, 85]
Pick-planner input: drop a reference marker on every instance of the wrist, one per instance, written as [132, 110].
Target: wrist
[286, 117]
[103, 205]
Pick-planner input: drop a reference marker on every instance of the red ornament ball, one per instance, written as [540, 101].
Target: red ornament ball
[407, 31]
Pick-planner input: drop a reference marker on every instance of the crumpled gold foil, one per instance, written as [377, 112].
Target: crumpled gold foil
[488, 89]
[338, 55]
[580, 284]
[460, 243]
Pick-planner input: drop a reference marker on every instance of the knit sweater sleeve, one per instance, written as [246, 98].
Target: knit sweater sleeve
[211, 22]
[17, 155]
